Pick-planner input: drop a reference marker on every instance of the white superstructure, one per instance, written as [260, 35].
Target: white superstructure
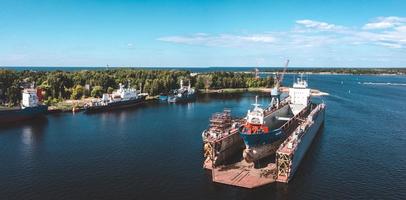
[30, 98]
[123, 94]
[299, 95]
[256, 116]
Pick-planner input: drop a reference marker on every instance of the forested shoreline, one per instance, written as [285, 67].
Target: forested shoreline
[61, 85]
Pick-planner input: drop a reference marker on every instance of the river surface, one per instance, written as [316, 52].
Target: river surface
[155, 152]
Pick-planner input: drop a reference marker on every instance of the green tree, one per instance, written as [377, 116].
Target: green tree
[147, 86]
[13, 94]
[199, 82]
[77, 92]
[110, 90]
[97, 91]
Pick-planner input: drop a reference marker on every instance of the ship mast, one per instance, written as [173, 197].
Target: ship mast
[275, 92]
[256, 104]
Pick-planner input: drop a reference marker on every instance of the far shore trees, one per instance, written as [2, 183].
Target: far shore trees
[59, 85]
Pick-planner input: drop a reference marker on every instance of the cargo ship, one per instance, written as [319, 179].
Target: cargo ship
[183, 94]
[266, 129]
[121, 98]
[221, 140]
[30, 108]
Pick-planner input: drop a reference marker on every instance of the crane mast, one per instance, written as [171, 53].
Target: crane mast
[275, 93]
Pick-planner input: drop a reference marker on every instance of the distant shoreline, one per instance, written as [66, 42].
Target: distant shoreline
[262, 70]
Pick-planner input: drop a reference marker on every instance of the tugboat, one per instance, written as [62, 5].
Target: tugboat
[122, 98]
[31, 107]
[221, 140]
[183, 94]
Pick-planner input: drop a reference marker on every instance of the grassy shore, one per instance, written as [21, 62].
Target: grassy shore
[68, 105]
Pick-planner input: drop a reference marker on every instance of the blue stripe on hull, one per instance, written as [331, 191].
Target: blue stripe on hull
[252, 140]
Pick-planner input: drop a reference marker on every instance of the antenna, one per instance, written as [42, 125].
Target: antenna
[256, 105]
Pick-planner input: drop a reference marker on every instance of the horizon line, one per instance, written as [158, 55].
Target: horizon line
[347, 67]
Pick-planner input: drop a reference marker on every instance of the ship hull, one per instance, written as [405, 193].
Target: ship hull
[261, 145]
[15, 115]
[115, 105]
[253, 140]
[253, 154]
[275, 133]
[306, 141]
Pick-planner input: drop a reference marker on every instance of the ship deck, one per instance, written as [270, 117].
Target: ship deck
[243, 174]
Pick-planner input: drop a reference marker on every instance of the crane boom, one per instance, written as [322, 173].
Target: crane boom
[275, 93]
[280, 79]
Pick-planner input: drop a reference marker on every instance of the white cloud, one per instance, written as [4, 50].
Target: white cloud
[384, 23]
[219, 40]
[394, 38]
[130, 45]
[308, 34]
[317, 25]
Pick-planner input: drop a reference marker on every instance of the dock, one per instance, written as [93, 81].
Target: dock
[243, 174]
[298, 130]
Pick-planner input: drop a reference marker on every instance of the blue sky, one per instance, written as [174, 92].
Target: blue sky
[203, 33]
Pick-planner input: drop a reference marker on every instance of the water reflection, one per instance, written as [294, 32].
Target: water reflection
[32, 134]
[33, 131]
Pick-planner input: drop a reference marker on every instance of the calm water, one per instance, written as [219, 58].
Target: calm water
[155, 151]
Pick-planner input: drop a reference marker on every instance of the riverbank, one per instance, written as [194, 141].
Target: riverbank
[70, 105]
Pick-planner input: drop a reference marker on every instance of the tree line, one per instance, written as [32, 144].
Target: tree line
[60, 85]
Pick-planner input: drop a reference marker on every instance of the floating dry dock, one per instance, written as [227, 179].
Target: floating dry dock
[295, 123]
[293, 149]
[288, 157]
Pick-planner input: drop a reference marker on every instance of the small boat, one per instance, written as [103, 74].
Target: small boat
[163, 97]
[183, 94]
